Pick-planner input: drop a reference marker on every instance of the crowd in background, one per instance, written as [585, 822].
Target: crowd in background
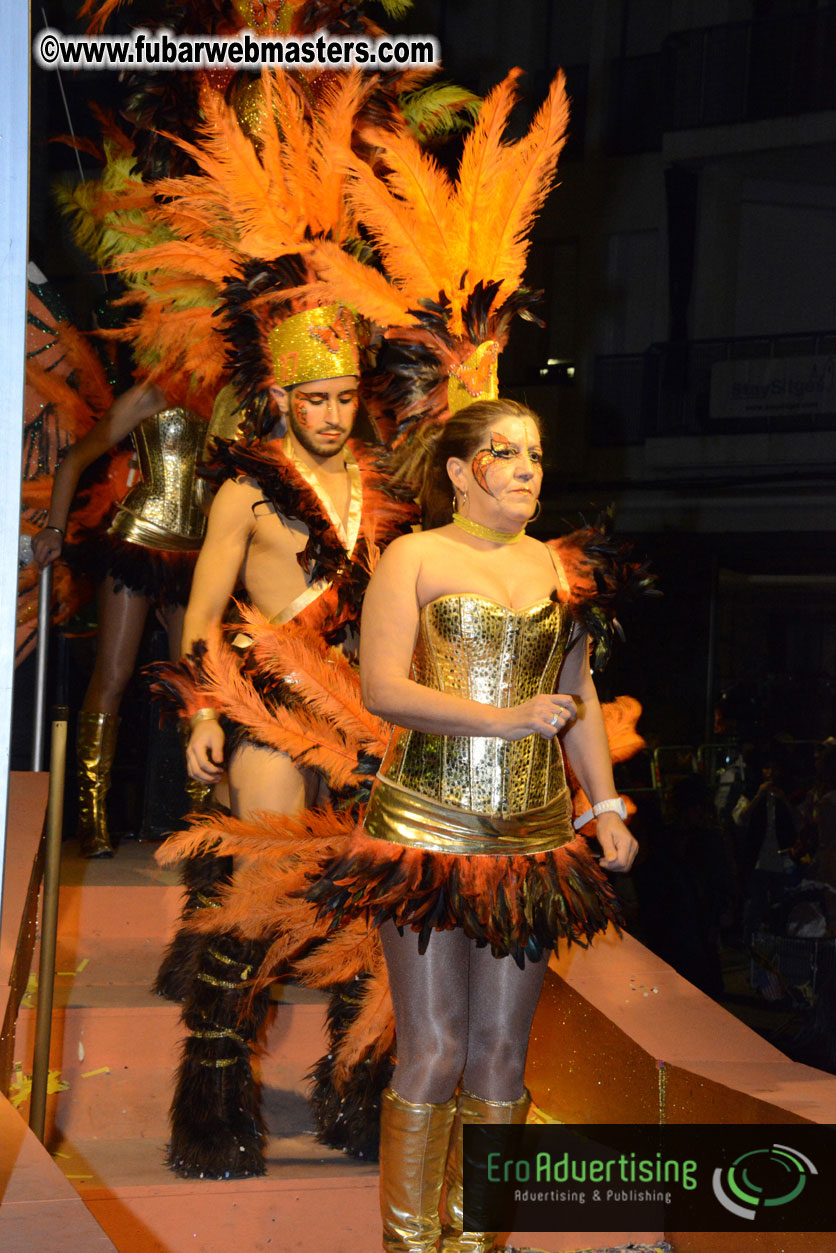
[737, 857]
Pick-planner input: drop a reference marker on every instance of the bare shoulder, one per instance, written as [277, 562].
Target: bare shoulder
[233, 503]
[403, 552]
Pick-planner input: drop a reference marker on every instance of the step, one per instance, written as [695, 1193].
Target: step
[112, 972]
[37, 1199]
[89, 912]
[306, 1216]
[119, 1064]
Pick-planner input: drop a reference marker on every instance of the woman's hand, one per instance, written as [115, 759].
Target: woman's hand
[542, 715]
[205, 751]
[47, 545]
[617, 844]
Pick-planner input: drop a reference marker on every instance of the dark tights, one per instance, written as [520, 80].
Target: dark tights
[460, 1014]
[122, 615]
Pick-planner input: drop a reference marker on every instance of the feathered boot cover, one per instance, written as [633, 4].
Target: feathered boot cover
[216, 1126]
[347, 1110]
[472, 1109]
[414, 1140]
[202, 877]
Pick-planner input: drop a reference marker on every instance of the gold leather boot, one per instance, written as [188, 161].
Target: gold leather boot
[95, 746]
[414, 1141]
[472, 1109]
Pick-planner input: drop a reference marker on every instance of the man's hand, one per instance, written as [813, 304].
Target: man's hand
[205, 751]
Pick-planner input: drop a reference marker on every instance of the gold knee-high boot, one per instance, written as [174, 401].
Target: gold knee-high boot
[95, 747]
[472, 1109]
[414, 1141]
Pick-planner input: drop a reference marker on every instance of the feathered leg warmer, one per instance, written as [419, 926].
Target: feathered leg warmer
[202, 877]
[217, 1130]
[347, 1109]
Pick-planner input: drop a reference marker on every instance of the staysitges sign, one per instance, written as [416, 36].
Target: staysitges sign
[773, 386]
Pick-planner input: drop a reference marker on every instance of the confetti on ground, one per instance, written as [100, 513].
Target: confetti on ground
[67, 1155]
[539, 1116]
[103, 1070]
[80, 1051]
[27, 1001]
[21, 1087]
[78, 1176]
[82, 965]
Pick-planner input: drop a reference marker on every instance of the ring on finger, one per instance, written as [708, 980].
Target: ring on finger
[555, 719]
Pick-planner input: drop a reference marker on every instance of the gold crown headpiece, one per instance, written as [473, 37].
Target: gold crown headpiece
[318, 343]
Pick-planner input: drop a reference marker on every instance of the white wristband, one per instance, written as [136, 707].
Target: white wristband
[615, 805]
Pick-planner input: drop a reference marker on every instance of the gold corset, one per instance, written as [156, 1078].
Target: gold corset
[476, 648]
[166, 510]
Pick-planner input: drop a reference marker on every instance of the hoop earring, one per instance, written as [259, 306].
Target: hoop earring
[537, 511]
[462, 491]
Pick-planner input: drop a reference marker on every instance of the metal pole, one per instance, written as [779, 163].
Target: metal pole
[49, 921]
[41, 660]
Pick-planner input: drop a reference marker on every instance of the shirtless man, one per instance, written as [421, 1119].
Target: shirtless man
[249, 542]
[254, 539]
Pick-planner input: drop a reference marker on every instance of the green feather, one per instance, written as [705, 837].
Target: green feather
[439, 109]
[396, 8]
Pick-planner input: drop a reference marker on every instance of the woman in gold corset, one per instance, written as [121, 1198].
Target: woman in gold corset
[147, 557]
[470, 647]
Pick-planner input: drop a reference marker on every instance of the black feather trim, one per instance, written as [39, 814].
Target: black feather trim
[202, 876]
[604, 579]
[535, 900]
[324, 555]
[162, 576]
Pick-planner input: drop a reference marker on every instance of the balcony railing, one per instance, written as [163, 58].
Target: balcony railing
[723, 75]
[666, 391]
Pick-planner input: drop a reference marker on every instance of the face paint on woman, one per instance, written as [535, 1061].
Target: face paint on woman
[500, 449]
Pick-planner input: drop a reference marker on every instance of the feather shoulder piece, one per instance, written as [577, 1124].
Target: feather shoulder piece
[602, 576]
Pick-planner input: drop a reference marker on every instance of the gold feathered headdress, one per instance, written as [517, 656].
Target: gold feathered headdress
[235, 258]
[453, 252]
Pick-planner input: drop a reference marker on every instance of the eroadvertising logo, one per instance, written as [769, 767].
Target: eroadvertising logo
[694, 1177]
[762, 1177]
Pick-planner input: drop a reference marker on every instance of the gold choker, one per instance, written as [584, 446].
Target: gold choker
[487, 532]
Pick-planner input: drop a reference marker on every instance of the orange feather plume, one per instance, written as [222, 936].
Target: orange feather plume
[99, 12]
[248, 202]
[320, 676]
[344, 278]
[482, 162]
[407, 215]
[520, 186]
[436, 237]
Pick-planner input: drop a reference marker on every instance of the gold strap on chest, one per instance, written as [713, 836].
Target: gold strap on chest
[349, 533]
